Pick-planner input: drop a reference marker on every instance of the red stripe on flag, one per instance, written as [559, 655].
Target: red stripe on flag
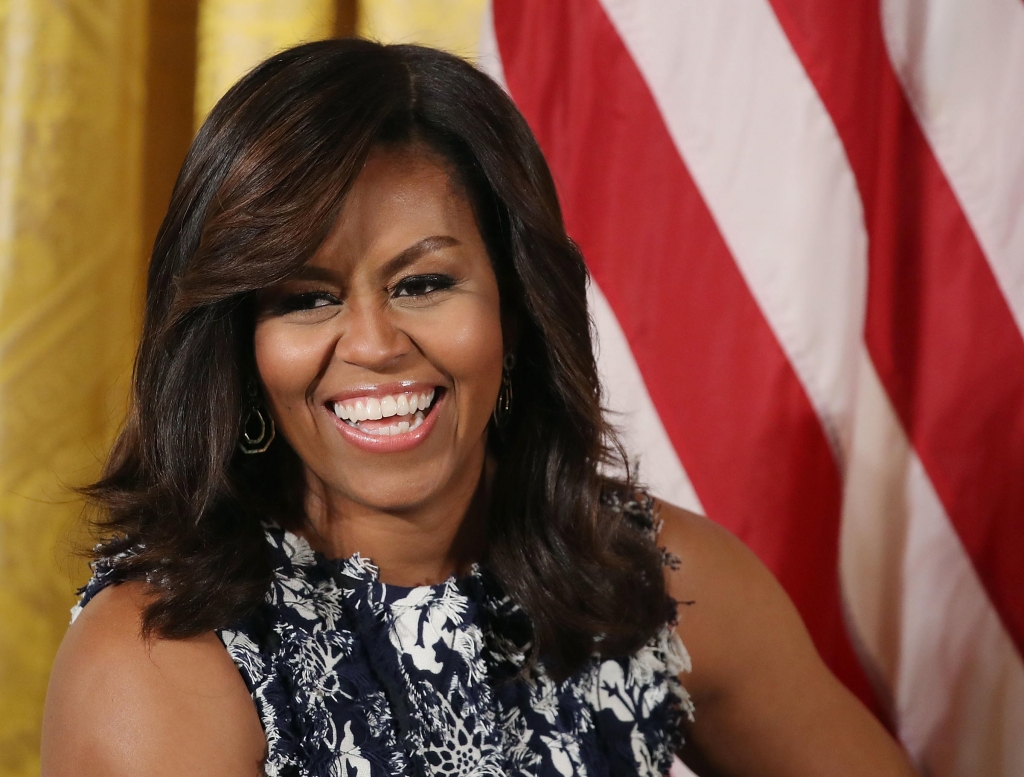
[729, 399]
[938, 329]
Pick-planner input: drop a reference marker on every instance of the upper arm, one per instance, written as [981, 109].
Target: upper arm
[765, 702]
[118, 704]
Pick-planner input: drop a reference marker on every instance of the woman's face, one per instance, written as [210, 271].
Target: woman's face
[381, 358]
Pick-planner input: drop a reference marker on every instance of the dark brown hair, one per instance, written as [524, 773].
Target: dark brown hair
[259, 191]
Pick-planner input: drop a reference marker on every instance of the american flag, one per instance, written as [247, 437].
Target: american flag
[805, 225]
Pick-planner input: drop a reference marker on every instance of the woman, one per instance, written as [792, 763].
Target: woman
[366, 337]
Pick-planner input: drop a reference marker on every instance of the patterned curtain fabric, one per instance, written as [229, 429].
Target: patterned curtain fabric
[71, 107]
[88, 151]
[234, 35]
[453, 25]
[97, 102]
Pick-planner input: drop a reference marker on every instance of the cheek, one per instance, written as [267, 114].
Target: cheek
[469, 348]
[477, 353]
[288, 359]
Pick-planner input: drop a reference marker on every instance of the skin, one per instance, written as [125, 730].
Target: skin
[119, 704]
[766, 704]
[401, 509]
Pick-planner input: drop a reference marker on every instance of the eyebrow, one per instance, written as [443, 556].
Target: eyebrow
[312, 272]
[415, 251]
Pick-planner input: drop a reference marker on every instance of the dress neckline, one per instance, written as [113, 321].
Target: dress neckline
[357, 568]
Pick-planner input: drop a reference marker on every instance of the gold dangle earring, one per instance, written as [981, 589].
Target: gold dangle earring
[503, 409]
[257, 430]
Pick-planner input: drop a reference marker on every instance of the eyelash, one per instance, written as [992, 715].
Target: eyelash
[306, 301]
[433, 282]
[427, 285]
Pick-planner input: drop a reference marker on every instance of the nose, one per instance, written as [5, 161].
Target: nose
[369, 338]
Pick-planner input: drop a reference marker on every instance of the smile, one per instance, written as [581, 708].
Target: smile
[368, 414]
[388, 423]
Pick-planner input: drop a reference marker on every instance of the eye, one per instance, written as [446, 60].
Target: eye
[422, 285]
[306, 301]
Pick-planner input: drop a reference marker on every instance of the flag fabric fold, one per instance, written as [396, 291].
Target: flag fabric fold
[802, 222]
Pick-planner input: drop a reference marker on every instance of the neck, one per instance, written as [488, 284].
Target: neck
[421, 545]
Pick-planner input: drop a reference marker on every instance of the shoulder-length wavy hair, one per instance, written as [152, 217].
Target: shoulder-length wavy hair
[260, 189]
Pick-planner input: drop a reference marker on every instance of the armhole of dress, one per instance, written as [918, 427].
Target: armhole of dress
[104, 574]
[245, 655]
[672, 650]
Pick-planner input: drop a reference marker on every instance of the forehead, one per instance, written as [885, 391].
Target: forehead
[399, 197]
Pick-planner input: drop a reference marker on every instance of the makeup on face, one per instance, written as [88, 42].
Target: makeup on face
[381, 358]
[387, 418]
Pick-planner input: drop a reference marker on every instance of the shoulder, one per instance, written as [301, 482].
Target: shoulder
[757, 677]
[732, 611]
[120, 704]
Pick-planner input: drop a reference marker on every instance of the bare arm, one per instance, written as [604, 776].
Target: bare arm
[766, 704]
[120, 705]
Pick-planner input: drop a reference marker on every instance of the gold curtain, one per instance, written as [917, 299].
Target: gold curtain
[98, 101]
[453, 25]
[234, 35]
[71, 106]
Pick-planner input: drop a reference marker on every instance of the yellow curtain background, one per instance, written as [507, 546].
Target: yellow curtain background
[98, 103]
[234, 35]
[70, 193]
[453, 25]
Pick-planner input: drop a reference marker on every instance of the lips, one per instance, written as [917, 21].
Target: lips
[406, 410]
[387, 420]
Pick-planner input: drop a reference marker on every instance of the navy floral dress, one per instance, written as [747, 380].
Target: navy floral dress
[356, 678]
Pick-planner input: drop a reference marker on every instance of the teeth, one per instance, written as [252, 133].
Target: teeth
[389, 406]
[373, 409]
[402, 427]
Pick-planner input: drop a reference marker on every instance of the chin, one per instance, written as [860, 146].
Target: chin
[396, 491]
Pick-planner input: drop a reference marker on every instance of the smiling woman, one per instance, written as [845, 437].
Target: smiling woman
[366, 337]
[402, 323]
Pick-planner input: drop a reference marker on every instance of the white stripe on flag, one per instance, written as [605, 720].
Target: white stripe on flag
[961, 63]
[488, 57]
[955, 680]
[767, 159]
[679, 769]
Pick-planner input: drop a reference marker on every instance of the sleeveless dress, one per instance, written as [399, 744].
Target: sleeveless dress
[352, 677]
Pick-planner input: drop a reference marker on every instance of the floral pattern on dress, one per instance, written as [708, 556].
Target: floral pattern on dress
[352, 677]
